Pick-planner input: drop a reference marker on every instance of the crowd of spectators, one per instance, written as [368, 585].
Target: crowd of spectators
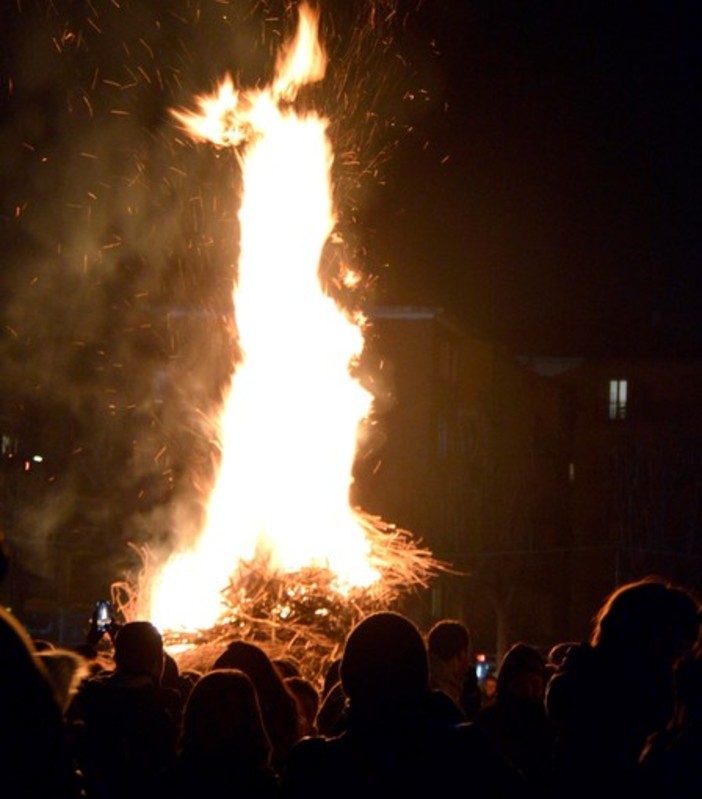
[399, 714]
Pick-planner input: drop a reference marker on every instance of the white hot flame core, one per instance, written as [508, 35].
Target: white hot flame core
[289, 426]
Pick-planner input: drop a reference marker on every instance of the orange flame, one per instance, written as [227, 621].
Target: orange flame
[290, 423]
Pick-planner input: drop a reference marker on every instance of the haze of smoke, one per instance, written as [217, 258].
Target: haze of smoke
[120, 235]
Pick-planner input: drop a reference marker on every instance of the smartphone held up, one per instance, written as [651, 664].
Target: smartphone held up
[103, 615]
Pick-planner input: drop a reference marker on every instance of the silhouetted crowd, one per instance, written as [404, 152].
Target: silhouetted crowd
[400, 714]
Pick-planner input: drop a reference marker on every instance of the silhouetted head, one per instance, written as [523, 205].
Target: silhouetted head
[384, 666]
[171, 672]
[254, 662]
[448, 638]
[307, 697]
[489, 686]
[33, 746]
[649, 618]
[27, 693]
[17, 653]
[222, 718]
[278, 705]
[139, 649]
[522, 674]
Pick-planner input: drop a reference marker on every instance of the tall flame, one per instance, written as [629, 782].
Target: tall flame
[289, 425]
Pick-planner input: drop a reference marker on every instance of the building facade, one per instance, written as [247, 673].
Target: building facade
[475, 464]
[544, 482]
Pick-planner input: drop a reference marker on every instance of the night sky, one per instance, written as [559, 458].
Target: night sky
[566, 218]
[533, 167]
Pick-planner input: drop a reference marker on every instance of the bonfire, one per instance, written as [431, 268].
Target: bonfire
[283, 560]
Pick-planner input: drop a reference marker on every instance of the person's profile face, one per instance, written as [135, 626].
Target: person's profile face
[464, 660]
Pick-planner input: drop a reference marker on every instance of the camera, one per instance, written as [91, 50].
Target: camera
[103, 615]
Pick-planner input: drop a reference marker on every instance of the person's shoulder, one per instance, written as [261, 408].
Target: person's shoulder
[490, 770]
[442, 709]
[314, 745]
[320, 753]
[169, 697]
[466, 733]
[92, 686]
[313, 762]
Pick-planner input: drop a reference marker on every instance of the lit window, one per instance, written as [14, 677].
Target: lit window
[617, 399]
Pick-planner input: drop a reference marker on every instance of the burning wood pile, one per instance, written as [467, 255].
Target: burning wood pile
[299, 615]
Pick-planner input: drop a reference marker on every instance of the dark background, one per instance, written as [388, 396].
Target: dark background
[534, 167]
[551, 195]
